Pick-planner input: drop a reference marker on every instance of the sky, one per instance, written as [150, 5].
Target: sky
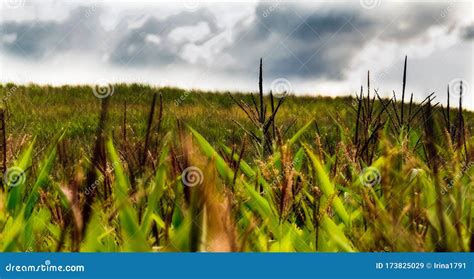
[307, 47]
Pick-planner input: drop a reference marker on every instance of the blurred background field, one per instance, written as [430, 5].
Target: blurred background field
[45, 110]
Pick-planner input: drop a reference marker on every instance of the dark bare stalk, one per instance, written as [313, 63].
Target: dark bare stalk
[148, 132]
[421, 105]
[3, 146]
[250, 133]
[273, 112]
[385, 108]
[448, 116]
[394, 103]
[271, 119]
[246, 109]
[371, 104]
[260, 91]
[160, 114]
[257, 113]
[460, 128]
[124, 125]
[403, 90]
[368, 96]
[433, 160]
[409, 112]
[359, 106]
[98, 159]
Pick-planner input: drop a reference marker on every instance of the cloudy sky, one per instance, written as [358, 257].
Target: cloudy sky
[308, 47]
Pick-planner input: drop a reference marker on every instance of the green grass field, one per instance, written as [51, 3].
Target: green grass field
[199, 171]
[42, 111]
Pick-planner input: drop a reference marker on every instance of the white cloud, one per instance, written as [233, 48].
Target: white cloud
[153, 39]
[9, 38]
[190, 33]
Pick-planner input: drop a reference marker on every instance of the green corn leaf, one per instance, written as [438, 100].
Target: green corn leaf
[300, 132]
[336, 234]
[11, 232]
[298, 159]
[327, 187]
[156, 193]
[133, 237]
[224, 170]
[43, 177]
[14, 202]
[257, 202]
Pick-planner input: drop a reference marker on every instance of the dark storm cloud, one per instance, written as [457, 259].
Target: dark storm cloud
[318, 43]
[413, 20]
[124, 46]
[39, 39]
[322, 42]
[133, 49]
[294, 40]
[468, 32]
